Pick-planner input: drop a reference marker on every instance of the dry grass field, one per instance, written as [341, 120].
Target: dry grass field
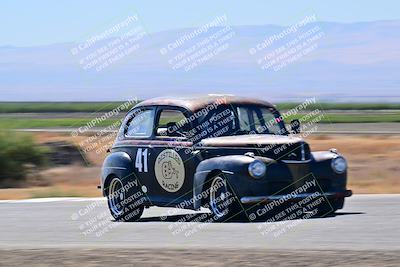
[373, 167]
[373, 160]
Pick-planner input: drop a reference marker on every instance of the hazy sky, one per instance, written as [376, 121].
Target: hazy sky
[27, 23]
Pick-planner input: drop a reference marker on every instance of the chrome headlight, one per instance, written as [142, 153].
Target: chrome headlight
[339, 165]
[257, 169]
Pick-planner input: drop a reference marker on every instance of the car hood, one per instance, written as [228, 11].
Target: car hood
[250, 140]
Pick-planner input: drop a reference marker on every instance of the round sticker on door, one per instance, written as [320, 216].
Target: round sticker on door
[170, 171]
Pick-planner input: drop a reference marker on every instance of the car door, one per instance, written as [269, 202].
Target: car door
[172, 159]
[135, 140]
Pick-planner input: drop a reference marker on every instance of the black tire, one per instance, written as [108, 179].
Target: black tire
[120, 203]
[328, 209]
[222, 202]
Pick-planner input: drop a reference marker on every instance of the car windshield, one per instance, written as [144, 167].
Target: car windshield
[260, 120]
[240, 120]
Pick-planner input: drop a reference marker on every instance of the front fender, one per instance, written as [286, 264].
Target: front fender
[321, 168]
[228, 165]
[118, 164]
[320, 156]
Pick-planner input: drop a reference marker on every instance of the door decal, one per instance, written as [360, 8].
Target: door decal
[169, 170]
[141, 160]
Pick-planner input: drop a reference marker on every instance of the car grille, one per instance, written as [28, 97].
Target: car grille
[297, 152]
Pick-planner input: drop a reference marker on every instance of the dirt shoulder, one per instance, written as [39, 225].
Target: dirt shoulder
[195, 257]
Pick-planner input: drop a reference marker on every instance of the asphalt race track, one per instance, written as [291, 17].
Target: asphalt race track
[368, 226]
[367, 222]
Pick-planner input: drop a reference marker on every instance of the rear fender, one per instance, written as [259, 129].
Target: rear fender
[116, 164]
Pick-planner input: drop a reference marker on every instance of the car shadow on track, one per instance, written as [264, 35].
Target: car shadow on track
[204, 217]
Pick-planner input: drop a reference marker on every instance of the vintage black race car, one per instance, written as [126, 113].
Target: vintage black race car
[230, 154]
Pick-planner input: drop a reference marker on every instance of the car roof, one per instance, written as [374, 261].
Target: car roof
[199, 102]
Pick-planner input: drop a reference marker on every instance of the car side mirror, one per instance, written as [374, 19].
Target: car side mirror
[295, 126]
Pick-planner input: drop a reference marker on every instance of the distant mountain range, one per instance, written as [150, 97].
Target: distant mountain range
[351, 62]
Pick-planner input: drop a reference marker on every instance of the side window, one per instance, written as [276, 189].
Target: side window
[244, 119]
[271, 123]
[218, 122]
[173, 123]
[141, 123]
[258, 122]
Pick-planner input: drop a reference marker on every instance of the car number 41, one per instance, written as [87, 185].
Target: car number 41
[141, 160]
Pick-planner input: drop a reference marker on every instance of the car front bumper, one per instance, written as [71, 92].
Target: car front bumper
[289, 197]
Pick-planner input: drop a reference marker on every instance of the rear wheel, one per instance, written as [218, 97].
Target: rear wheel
[120, 203]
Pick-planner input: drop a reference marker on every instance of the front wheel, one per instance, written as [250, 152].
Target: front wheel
[120, 203]
[223, 204]
[330, 207]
